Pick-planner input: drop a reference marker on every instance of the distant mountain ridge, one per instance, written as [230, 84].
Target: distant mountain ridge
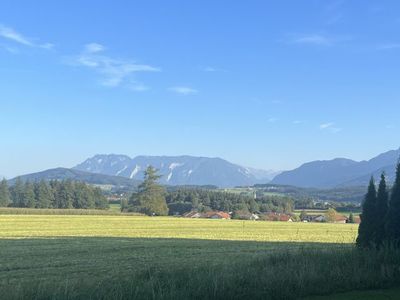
[177, 170]
[340, 172]
[76, 175]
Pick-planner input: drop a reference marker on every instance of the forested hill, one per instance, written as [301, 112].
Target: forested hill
[76, 175]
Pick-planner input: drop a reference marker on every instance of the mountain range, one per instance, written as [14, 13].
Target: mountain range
[76, 175]
[177, 170]
[340, 172]
[121, 170]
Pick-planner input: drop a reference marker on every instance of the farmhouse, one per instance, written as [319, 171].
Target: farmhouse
[217, 215]
[340, 219]
[192, 214]
[319, 218]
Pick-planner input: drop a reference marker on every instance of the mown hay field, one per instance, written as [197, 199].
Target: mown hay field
[44, 226]
[127, 257]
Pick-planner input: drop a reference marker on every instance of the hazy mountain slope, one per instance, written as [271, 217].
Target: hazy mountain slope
[176, 170]
[339, 172]
[76, 175]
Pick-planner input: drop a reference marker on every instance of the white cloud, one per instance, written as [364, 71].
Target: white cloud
[114, 72]
[330, 127]
[94, 47]
[326, 125]
[297, 122]
[183, 90]
[12, 35]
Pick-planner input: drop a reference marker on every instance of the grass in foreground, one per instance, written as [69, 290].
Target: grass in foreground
[388, 294]
[119, 257]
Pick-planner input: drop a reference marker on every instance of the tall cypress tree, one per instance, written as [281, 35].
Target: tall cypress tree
[381, 211]
[393, 215]
[4, 194]
[366, 231]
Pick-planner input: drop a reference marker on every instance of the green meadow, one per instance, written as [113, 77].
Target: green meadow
[133, 257]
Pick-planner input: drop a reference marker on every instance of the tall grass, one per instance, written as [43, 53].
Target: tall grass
[285, 275]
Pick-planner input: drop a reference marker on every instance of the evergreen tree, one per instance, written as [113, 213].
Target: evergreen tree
[381, 211]
[367, 228]
[29, 195]
[351, 218]
[44, 195]
[83, 196]
[18, 193]
[393, 215]
[150, 198]
[65, 194]
[5, 197]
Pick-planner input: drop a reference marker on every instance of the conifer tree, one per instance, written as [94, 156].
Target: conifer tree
[366, 230]
[5, 197]
[393, 215]
[381, 211]
[65, 194]
[44, 195]
[351, 218]
[18, 193]
[29, 195]
[150, 198]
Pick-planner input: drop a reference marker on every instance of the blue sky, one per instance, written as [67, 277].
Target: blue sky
[266, 84]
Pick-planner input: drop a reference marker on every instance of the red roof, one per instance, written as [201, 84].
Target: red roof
[220, 214]
[340, 218]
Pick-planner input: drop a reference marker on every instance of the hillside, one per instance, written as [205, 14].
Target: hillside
[340, 172]
[76, 175]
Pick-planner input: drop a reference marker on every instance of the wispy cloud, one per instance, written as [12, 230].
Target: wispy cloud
[94, 48]
[183, 90]
[273, 120]
[114, 72]
[391, 46]
[314, 39]
[330, 127]
[297, 122]
[211, 69]
[10, 34]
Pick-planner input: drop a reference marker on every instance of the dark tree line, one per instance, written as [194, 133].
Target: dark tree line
[53, 194]
[380, 218]
[184, 200]
[152, 199]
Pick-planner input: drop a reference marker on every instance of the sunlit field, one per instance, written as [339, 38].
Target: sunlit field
[23, 226]
[128, 257]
